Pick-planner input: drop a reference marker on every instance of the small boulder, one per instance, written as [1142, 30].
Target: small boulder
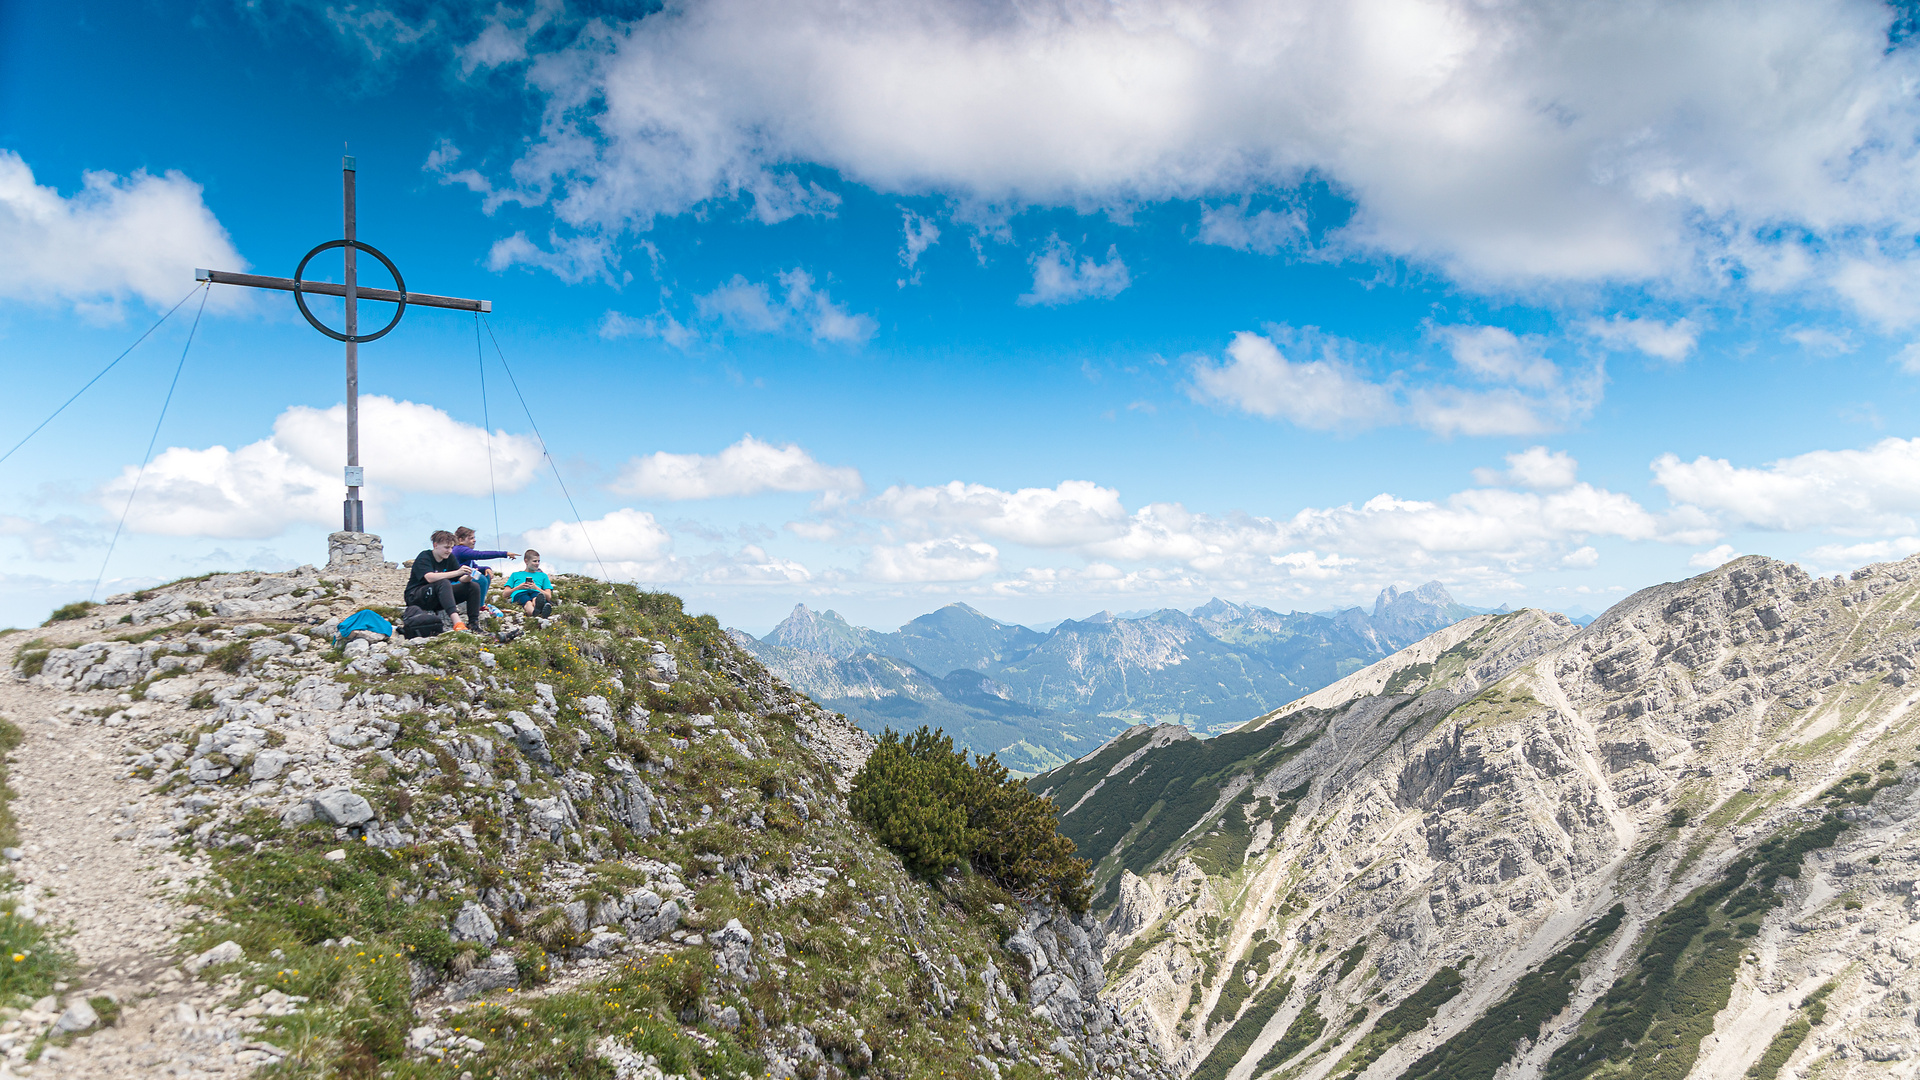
[267, 764]
[733, 951]
[342, 807]
[79, 1016]
[226, 952]
[531, 740]
[660, 923]
[473, 924]
[603, 944]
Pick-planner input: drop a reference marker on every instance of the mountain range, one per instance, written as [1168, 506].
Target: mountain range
[1042, 699]
[1680, 842]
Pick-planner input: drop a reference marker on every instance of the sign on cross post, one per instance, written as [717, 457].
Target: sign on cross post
[352, 515]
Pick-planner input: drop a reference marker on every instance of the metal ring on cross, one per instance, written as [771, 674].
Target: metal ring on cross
[399, 286]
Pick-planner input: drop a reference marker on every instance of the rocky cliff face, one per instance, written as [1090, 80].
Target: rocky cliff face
[1680, 842]
[615, 845]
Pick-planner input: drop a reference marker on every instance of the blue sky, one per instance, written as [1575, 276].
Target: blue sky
[1045, 307]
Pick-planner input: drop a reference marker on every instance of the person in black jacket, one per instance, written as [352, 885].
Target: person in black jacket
[441, 583]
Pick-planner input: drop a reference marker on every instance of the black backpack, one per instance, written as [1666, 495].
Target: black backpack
[417, 622]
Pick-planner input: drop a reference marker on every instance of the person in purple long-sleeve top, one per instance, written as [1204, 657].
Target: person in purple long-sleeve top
[468, 555]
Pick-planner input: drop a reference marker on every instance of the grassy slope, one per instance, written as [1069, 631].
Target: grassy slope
[775, 814]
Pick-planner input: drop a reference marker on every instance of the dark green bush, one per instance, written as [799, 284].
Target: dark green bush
[937, 808]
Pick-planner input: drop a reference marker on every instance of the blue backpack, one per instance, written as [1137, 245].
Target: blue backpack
[364, 619]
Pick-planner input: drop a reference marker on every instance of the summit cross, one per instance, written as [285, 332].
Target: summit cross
[352, 511]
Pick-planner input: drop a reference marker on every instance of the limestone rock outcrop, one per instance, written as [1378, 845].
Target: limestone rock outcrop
[1368, 873]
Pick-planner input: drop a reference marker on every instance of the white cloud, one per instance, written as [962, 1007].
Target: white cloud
[1849, 492]
[749, 307]
[1853, 556]
[1821, 340]
[1071, 513]
[748, 467]
[816, 531]
[1059, 279]
[1554, 142]
[504, 38]
[116, 238]
[614, 326]
[1581, 559]
[918, 233]
[1513, 389]
[256, 491]
[1324, 390]
[1672, 341]
[1266, 232]
[1719, 556]
[751, 565]
[1535, 467]
[411, 447]
[1909, 358]
[628, 542]
[572, 259]
[1470, 530]
[952, 559]
[1496, 354]
[294, 477]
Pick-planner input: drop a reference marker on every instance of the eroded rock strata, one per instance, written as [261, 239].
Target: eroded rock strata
[1679, 842]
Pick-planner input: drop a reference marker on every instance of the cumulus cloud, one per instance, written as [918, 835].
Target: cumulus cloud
[1535, 467]
[1071, 513]
[629, 543]
[410, 446]
[293, 477]
[1556, 142]
[138, 236]
[1672, 341]
[1487, 535]
[256, 491]
[750, 307]
[1484, 524]
[1059, 279]
[1504, 384]
[1321, 389]
[1875, 491]
[1850, 556]
[951, 559]
[748, 467]
[1719, 556]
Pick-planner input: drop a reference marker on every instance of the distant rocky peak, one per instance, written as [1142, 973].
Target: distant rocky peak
[820, 632]
[1218, 610]
[1431, 595]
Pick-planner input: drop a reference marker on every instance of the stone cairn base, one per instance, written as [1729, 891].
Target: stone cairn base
[354, 551]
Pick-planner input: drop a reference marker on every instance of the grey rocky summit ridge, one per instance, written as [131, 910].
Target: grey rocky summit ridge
[1704, 808]
[1042, 699]
[618, 795]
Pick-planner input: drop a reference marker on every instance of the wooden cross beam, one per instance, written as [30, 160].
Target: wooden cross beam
[353, 515]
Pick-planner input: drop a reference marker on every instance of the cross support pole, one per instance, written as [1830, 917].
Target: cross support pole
[352, 512]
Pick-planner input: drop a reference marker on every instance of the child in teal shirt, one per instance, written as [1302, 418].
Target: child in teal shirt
[531, 588]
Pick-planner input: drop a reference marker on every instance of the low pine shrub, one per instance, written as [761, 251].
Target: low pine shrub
[938, 808]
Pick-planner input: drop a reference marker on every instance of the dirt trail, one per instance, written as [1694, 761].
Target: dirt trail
[91, 867]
